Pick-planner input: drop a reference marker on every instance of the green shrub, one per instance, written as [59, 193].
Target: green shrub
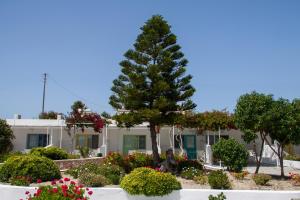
[112, 172]
[239, 175]
[73, 156]
[149, 182]
[89, 167]
[261, 179]
[218, 180]
[189, 163]
[200, 179]
[32, 166]
[20, 180]
[190, 173]
[233, 154]
[53, 153]
[220, 196]
[93, 180]
[84, 152]
[4, 157]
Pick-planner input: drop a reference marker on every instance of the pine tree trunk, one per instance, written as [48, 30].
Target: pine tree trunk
[258, 161]
[155, 153]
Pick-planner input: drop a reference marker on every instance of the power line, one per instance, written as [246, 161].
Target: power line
[71, 92]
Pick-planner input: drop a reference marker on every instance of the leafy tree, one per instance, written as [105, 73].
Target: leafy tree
[250, 115]
[233, 154]
[6, 137]
[49, 115]
[284, 122]
[153, 86]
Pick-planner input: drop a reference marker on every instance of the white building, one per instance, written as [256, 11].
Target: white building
[30, 133]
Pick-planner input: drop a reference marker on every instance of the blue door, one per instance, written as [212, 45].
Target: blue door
[189, 145]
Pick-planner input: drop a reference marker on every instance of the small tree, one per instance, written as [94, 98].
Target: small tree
[250, 116]
[284, 123]
[153, 86]
[79, 118]
[6, 137]
[233, 154]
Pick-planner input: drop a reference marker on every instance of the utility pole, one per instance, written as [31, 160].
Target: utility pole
[44, 92]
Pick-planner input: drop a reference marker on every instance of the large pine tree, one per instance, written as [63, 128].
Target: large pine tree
[153, 86]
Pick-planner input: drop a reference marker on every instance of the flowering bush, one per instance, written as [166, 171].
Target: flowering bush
[114, 158]
[295, 179]
[93, 180]
[189, 163]
[112, 172]
[87, 167]
[63, 190]
[136, 160]
[190, 172]
[149, 182]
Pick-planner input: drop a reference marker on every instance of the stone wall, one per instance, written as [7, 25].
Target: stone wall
[69, 163]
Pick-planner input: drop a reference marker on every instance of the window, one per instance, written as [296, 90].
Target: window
[37, 140]
[90, 141]
[134, 142]
[215, 138]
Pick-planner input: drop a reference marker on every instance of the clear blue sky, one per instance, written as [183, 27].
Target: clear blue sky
[233, 47]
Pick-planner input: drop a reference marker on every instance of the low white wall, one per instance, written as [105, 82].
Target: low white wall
[16, 193]
[291, 163]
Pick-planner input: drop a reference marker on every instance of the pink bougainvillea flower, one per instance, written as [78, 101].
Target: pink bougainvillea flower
[39, 180]
[27, 192]
[90, 192]
[72, 183]
[61, 181]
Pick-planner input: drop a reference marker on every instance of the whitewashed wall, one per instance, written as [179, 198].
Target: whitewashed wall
[16, 193]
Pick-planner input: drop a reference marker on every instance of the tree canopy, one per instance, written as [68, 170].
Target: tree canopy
[6, 137]
[49, 115]
[152, 86]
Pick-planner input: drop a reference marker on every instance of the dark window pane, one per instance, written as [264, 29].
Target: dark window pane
[95, 141]
[142, 142]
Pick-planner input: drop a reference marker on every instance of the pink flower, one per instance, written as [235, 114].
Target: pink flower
[53, 182]
[90, 192]
[38, 180]
[27, 192]
[61, 181]
[87, 189]
[72, 183]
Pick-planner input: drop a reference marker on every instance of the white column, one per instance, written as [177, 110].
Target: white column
[51, 137]
[208, 152]
[47, 136]
[60, 141]
[173, 138]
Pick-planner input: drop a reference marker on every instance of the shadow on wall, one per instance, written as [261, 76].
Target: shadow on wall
[175, 195]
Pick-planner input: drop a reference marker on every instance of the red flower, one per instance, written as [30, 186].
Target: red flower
[55, 190]
[66, 179]
[53, 182]
[61, 181]
[72, 183]
[27, 192]
[39, 180]
[90, 192]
